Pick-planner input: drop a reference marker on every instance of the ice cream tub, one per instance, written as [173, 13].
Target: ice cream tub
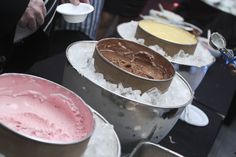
[41, 118]
[135, 116]
[133, 64]
[169, 37]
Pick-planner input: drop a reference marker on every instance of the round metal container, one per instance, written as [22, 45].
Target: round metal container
[133, 121]
[15, 144]
[170, 48]
[115, 74]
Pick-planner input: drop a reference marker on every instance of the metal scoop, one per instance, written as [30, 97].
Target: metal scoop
[218, 42]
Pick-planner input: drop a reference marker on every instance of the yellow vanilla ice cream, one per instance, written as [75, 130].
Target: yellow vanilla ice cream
[168, 32]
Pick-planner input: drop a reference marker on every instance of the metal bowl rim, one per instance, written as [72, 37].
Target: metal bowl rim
[183, 64]
[139, 145]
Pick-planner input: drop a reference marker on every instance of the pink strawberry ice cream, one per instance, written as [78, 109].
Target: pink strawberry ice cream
[41, 109]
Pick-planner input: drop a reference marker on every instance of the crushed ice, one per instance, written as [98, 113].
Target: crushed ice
[104, 138]
[80, 57]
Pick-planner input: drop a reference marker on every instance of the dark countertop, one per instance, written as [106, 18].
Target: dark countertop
[51, 68]
[192, 141]
[217, 88]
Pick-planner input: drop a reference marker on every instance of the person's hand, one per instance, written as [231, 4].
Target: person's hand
[33, 16]
[232, 68]
[75, 2]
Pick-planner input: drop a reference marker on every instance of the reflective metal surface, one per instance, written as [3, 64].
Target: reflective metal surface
[149, 149]
[132, 121]
[192, 74]
[217, 41]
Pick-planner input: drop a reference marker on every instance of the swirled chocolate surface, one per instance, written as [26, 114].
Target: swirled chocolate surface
[134, 58]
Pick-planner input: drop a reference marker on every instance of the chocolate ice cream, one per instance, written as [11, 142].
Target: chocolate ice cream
[134, 59]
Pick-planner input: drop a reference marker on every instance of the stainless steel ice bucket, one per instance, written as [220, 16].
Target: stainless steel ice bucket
[133, 121]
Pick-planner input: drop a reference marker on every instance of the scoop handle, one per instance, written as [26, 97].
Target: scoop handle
[228, 55]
